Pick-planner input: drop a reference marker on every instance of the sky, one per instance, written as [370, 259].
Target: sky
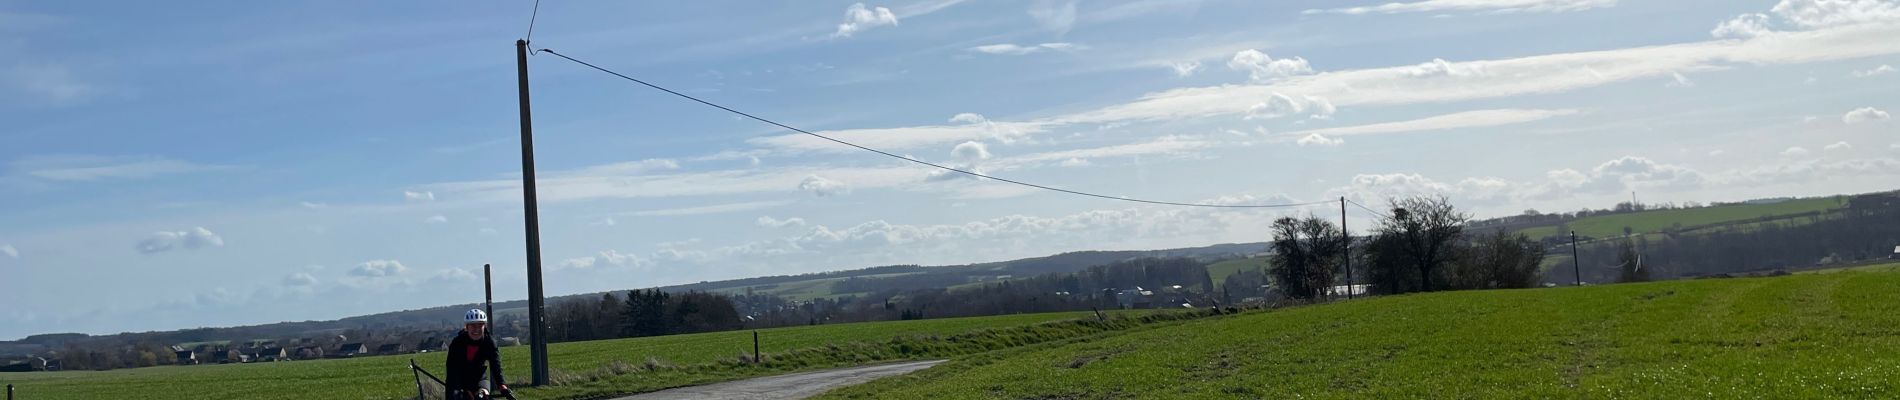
[171, 165]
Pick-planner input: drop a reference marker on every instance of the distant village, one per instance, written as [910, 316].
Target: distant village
[276, 350]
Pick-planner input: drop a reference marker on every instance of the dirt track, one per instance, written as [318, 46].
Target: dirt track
[793, 386]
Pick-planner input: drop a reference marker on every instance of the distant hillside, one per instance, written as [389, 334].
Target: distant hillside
[812, 285]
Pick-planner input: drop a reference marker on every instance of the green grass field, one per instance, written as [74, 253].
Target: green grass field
[389, 377]
[1802, 336]
[1883, 267]
[1656, 221]
[1221, 270]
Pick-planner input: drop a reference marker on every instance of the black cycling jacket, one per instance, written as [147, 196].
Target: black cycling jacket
[465, 362]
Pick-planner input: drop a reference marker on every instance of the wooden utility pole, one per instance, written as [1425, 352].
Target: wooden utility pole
[1576, 262]
[1346, 245]
[537, 327]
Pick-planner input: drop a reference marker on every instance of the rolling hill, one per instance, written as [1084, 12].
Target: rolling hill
[1802, 336]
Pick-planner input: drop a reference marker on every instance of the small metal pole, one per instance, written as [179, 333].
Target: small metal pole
[9, 391]
[755, 347]
[1576, 261]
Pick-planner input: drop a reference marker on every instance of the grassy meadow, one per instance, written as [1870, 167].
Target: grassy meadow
[696, 358]
[1656, 221]
[1833, 335]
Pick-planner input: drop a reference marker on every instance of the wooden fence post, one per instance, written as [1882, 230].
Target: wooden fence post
[755, 349]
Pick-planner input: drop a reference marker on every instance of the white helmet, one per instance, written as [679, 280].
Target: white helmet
[474, 315]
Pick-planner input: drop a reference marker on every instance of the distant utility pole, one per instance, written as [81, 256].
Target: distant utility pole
[1576, 262]
[1347, 235]
[537, 327]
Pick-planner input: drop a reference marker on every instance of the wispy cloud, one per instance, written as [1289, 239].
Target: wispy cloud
[711, 209]
[858, 18]
[1484, 6]
[85, 168]
[1011, 49]
[1467, 119]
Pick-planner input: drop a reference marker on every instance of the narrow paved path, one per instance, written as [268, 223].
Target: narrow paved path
[793, 386]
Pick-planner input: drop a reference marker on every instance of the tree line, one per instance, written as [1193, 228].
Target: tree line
[1420, 244]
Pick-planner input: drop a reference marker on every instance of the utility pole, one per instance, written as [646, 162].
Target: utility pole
[488, 298]
[537, 326]
[1576, 261]
[1347, 245]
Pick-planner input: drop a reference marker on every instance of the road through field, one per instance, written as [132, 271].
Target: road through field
[793, 386]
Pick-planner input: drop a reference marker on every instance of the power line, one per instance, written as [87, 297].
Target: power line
[531, 17]
[934, 165]
[1369, 209]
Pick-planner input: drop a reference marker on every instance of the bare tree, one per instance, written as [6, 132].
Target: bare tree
[1423, 232]
[1306, 252]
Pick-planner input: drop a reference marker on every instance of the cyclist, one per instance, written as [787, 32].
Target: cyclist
[470, 349]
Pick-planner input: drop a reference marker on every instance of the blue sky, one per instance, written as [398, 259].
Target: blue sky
[172, 165]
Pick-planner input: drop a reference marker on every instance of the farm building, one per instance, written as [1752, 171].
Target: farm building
[271, 354]
[389, 349]
[351, 350]
[186, 357]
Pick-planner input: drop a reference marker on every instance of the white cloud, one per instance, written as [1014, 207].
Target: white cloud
[193, 239]
[1813, 170]
[82, 168]
[1838, 146]
[436, 219]
[378, 269]
[906, 137]
[605, 258]
[1795, 151]
[769, 222]
[1438, 67]
[300, 279]
[423, 196]
[1459, 120]
[1716, 152]
[858, 18]
[1543, 74]
[609, 221]
[1864, 115]
[1678, 81]
[1811, 14]
[450, 275]
[969, 118]
[971, 151]
[1617, 176]
[822, 187]
[1807, 15]
[311, 205]
[881, 242]
[8, 250]
[1742, 27]
[1171, 145]
[1319, 140]
[1261, 67]
[1483, 79]
[1075, 162]
[53, 82]
[1883, 69]
[712, 209]
[1185, 69]
[1054, 15]
[1011, 49]
[1484, 6]
[1280, 105]
[625, 168]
